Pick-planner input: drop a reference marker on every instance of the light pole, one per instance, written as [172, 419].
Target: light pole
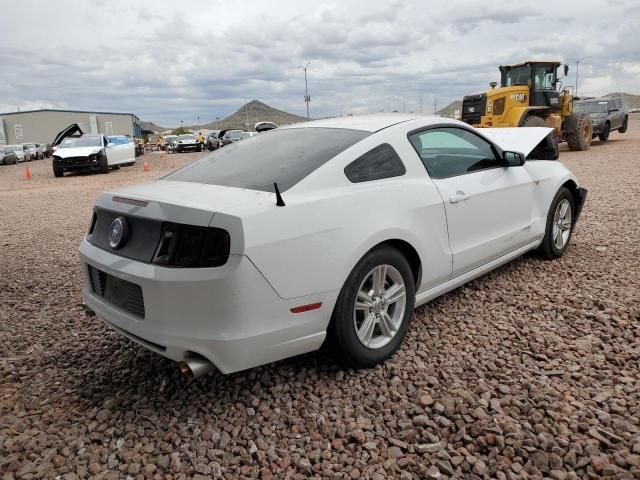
[181, 124]
[198, 117]
[578, 60]
[307, 98]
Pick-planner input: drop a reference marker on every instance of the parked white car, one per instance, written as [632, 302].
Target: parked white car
[33, 150]
[76, 151]
[186, 143]
[325, 231]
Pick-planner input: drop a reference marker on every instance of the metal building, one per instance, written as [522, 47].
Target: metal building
[41, 126]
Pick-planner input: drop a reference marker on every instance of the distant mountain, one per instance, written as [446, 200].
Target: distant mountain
[632, 101]
[248, 115]
[449, 110]
[152, 127]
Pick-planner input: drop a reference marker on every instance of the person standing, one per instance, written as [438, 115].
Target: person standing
[200, 140]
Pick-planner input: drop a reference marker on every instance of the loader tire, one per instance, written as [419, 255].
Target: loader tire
[534, 121]
[579, 139]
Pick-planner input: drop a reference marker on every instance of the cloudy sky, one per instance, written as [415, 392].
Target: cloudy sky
[168, 61]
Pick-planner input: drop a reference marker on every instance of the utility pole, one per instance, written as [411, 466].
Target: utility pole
[307, 98]
[435, 105]
[578, 60]
[246, 111]
[198, 117]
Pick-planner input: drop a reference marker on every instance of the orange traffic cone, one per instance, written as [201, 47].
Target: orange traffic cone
[27, 174]
[145, 168]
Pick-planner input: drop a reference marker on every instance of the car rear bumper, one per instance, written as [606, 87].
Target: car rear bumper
[229, 315]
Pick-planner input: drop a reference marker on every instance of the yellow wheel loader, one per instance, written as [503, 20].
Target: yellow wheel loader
[528, 97]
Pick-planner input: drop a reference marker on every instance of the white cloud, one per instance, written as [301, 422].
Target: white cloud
[168, 61]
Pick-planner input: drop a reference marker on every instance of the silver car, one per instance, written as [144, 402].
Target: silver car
[21, 152]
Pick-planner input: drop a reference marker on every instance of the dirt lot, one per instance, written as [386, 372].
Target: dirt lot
[530, 371]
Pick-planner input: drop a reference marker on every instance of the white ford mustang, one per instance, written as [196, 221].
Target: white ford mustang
[328, 231]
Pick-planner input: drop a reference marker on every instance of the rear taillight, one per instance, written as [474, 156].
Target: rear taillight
[195, 247]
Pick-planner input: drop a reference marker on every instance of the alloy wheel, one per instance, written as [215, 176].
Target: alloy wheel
[562, 224]
[379, 306]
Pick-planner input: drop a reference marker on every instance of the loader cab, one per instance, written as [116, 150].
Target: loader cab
[540, 77]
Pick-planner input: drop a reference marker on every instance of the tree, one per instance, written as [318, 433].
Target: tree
[179, 131]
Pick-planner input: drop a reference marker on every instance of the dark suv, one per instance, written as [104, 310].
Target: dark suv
[607, 114]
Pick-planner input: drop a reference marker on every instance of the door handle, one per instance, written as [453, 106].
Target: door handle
[459, 197]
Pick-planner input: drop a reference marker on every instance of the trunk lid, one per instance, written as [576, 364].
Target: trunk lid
[181, 202]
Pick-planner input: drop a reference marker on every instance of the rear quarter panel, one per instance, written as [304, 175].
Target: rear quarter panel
[317, 241]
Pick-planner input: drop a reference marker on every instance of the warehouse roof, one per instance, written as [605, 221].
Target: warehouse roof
[68, 111]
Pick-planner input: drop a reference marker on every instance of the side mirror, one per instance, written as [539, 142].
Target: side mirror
[566, 70]
[513, 159]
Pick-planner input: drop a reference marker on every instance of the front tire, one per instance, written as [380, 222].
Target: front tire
[58, 172]
[580, 138]
[559, 225]
[606, 130]
[534, 121]
[104, 164]
[373, 310]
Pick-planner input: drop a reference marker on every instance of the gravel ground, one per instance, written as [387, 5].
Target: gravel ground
[528, 372]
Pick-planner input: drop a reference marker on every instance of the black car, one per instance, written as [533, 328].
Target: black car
[607, 114]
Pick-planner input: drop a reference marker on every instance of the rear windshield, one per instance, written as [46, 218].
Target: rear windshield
[281, 156]
[592, 107]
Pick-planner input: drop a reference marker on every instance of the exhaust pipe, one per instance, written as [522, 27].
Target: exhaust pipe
[195, 367]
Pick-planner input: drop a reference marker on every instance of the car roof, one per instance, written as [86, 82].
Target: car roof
[369, 123]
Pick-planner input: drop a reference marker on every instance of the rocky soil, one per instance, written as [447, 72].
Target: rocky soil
[529, 372]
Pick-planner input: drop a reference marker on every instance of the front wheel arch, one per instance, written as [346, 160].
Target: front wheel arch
[573, 189]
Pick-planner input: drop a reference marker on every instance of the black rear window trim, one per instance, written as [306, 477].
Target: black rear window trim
[400, 172]
[268, 187]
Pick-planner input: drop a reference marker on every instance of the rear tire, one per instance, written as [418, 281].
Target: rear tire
[373, 310]
[580, 138]
[58, 172]
[625, 124]
[559, 226]
[606, 130]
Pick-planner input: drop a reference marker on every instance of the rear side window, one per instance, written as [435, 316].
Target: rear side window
[282, 156]
[381, 162]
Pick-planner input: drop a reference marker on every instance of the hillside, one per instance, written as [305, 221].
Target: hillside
[255, 111]
[632, 101]
[151, 127]
[449, 110]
